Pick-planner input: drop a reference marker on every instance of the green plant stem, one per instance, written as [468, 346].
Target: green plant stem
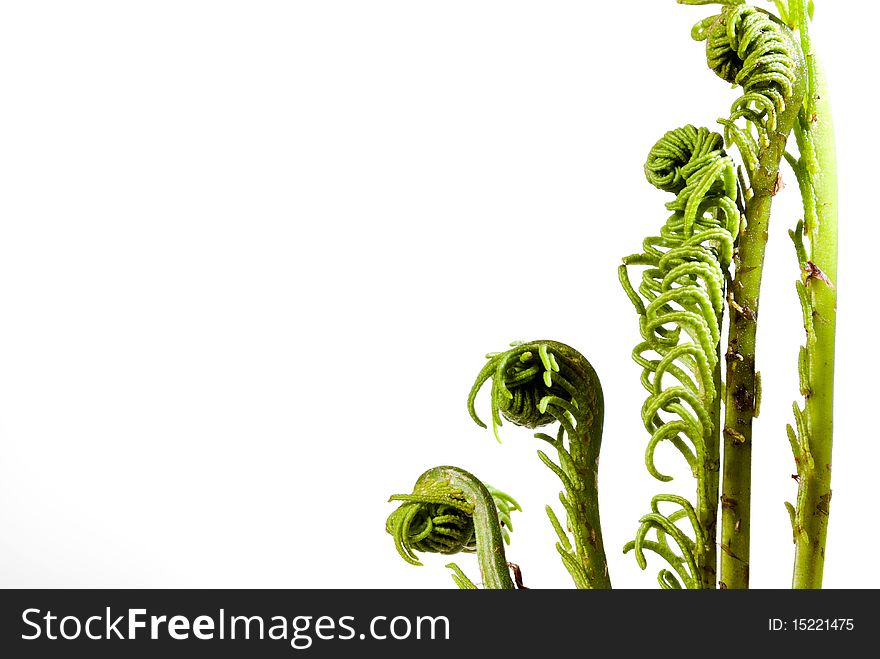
[706, 556]
[487, 529]
[584, 449]
[814, 487]
[742, 387]
[740, 397]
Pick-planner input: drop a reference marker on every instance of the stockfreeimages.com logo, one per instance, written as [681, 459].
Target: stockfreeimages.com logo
[299, 631]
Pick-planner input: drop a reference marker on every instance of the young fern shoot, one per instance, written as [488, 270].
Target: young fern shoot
[543, 382]
[751, 48]
[680, 303]
[451, 511]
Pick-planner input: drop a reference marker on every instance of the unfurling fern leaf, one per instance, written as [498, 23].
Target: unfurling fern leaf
[680, 303]
[749, 47]
[544, 382]
[451, 511]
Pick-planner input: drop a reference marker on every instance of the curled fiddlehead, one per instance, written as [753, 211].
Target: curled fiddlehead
[545, 382]
[751, 48]
[680, 303]
[451, 511]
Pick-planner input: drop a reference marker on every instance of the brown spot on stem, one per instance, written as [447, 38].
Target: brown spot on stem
[813, 271]
[734, 305]
[732, 354]
[727, 550]
[743, 399]
[736, 437]
[824, 505]
[779, 186]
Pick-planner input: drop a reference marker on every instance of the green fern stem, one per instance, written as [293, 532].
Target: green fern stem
[812, 438]
[742, 397]
[743, 386]
[707, 512]
[541, 383]
[450, 511]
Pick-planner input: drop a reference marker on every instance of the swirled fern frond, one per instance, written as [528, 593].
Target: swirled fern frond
[545, 382]
[749, 47]
[451, 511]
[680, 303]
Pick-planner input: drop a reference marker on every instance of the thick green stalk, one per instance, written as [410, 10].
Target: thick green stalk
[487, 529]
[742, 384]
[740, 399]
[814, 485]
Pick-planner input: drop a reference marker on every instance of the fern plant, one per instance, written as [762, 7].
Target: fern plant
[703, 390]
[543, 383]
[680, 303]
[451, 511]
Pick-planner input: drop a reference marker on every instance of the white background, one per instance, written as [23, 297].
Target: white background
[252, 255]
